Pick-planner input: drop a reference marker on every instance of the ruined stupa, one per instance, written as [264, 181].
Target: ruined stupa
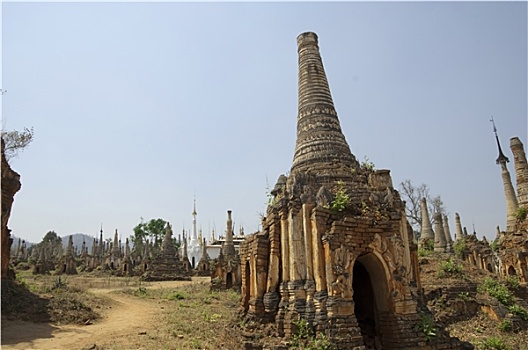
[166, 266]
[335, 247]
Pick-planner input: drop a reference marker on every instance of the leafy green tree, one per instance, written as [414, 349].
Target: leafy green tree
[154, 230]
[16, 141]
[51, 237]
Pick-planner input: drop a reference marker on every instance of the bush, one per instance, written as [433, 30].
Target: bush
[512, 282]
[341, 198]
[449, 267]
[519, 311]
[459, 247]
[426, 326]
[498, 290]
[494, 343]
[505, 326]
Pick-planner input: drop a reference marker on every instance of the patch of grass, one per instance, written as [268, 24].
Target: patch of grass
[177, 295]
[304, 338]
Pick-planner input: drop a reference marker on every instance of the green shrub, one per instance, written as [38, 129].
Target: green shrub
[449, 268]
[498, 290]
[505, 326]
[426, 326]
[519, 311]
[424, 252]
[459, 247]
[512, 282]
[341, 198]
[494, 343]
[494, 246]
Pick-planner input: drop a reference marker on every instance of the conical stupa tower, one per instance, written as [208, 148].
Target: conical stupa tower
[321, 148]
[521, 170]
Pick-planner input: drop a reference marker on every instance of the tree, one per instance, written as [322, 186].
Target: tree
[52, 243]
[412, 195]
[16, 141]
[154, 230]
[51, 237]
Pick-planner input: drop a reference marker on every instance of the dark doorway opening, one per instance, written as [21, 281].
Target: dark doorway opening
[489, 267]
[193, 263]
[365, 306]
[229, 280]
[247, 287]
[511, 271]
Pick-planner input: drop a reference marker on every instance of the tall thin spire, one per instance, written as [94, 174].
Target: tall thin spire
[194, 236]
[501, 158]
[509, 192]
[321, 147]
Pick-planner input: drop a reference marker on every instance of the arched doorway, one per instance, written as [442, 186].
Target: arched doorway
[365, 305]
[372, 301]
[511, 271]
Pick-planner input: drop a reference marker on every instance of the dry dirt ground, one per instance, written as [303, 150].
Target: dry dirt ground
[151, 315]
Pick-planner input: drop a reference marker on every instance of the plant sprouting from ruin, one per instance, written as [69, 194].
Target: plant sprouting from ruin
[426, 326]
[459, 247]
[521, 213]
[367, 164]
[341, 198]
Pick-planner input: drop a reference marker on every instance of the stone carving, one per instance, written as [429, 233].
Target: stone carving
[324, 197]
[342, 285]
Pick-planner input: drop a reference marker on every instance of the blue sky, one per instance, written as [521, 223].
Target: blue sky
[139, 107]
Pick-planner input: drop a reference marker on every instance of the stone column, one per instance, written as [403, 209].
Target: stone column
[273, 269]
[440, 244]
[307, 228]
[285, 251]
[296, 245]
[318, 231]
[459, 234]
[427, 231]
[521, 170]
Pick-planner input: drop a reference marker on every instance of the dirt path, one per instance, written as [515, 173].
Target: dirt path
[128, 318]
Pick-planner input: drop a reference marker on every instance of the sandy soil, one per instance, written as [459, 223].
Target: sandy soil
[125, 322]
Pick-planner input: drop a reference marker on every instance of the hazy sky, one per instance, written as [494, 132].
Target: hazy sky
[139, 107]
